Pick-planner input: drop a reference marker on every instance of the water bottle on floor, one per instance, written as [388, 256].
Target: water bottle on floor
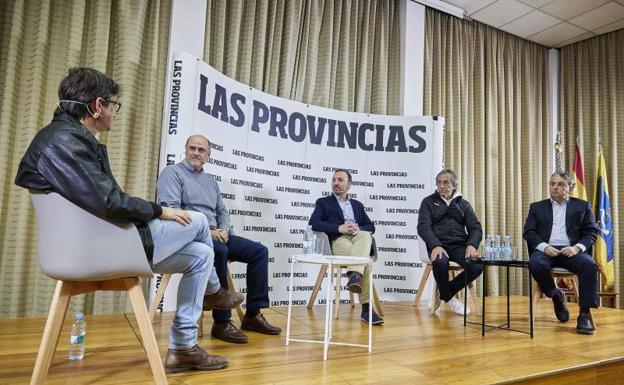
[77, 339]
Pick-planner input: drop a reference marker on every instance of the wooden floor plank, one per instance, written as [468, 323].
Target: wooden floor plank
[412, 347]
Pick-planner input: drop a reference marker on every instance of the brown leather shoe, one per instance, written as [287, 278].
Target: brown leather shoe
[194, 358]
[226, 331]
[223, 300]
[259, 324]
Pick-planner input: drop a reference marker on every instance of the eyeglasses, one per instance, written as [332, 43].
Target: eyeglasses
[117, 104]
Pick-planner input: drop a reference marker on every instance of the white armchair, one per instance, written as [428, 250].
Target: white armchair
[85, 254]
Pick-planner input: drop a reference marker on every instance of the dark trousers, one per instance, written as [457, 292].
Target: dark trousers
[440, 266]
[581, 264]
[256, 256]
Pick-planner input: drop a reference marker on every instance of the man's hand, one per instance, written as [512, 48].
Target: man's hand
[224, 235]
[437, 252]
[551, 251]
[171, 214]
[219, 235]
[471, 252]
[570, 251]
[350, 228]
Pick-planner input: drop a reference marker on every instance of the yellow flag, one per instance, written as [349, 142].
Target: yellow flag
[603, 248]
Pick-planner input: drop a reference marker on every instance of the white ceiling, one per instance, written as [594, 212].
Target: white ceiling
[553, 23]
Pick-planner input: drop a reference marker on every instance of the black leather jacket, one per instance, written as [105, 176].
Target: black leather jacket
[66, 158]
[445, 225]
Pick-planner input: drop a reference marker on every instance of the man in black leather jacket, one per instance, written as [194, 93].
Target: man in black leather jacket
[65, 157]
[449, 227]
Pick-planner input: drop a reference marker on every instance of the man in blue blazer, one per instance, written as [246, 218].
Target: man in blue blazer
[560, 232]
[349, 230]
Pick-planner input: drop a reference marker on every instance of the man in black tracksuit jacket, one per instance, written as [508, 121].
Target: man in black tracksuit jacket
[449, 227]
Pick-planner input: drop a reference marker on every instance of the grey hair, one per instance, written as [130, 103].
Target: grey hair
[567, 176]
[451, 174]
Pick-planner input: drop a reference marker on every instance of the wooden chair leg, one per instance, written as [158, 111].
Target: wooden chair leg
[591, 319]
[537, 294]
[160, 293]
[200, 326]
[474, 297]
[575, 288]
[423, 283]
[458, 294]
[317, 285]
[145, 327]
[377, 302]
[433, 296]
[352, 299]
[338, 270]
[232, 288]
[51, 332]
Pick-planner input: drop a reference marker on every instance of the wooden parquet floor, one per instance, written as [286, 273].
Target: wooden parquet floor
[413, 347]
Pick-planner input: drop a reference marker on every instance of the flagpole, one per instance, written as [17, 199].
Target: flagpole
[558, 151]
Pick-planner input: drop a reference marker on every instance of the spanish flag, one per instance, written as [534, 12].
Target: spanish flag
[603, 249]
[579, 176]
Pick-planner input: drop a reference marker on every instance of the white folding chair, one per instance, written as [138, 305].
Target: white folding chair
[338, 270]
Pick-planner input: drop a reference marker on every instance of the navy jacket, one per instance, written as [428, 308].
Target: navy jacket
[328, 216]
[580, 225]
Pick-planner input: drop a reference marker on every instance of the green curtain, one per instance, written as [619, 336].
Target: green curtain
[40, 41]
[492, 89]
[332, 53]
[592, 110]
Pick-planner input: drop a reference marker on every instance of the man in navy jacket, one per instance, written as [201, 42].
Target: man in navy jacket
[560, 232]
[349, 230]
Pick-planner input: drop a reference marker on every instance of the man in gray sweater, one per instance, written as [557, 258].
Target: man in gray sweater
[185, 185]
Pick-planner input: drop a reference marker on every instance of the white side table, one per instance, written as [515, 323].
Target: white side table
[331, 260]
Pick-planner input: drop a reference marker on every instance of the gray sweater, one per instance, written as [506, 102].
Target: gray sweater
[179, 186]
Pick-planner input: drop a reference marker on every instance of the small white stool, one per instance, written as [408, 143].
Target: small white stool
[331, 260]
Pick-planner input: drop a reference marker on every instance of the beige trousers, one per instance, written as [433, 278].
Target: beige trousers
[358, 245]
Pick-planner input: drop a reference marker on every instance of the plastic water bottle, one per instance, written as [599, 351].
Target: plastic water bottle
[77, 339]
[488, 247]
[497, 247]
[508, 247]
[309, 241]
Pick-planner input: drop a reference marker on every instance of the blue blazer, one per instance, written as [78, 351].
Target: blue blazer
[328, 216]
[580, 225]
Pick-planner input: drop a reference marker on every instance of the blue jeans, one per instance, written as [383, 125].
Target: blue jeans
[187, 250]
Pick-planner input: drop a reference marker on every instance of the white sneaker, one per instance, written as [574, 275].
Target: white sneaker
[458, 306]
[435, 302]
